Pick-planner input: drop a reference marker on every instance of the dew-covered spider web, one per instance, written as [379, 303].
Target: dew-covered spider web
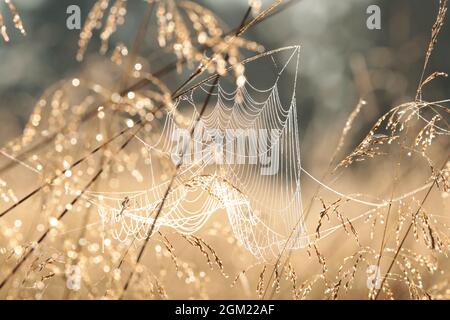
[239, 156]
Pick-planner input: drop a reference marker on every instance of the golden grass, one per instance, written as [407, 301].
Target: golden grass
[80, 136]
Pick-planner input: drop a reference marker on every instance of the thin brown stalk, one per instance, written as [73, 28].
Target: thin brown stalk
[71, 167]
[164, 198]
[66, 210]
[407, 232]
[440, 19]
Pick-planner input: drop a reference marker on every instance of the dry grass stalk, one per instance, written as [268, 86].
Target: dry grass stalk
[260, 285]
[437, 26]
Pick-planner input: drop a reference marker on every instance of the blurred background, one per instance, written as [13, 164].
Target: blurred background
[341, 59]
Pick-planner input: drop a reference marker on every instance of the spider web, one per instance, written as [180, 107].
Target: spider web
[264, 209]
